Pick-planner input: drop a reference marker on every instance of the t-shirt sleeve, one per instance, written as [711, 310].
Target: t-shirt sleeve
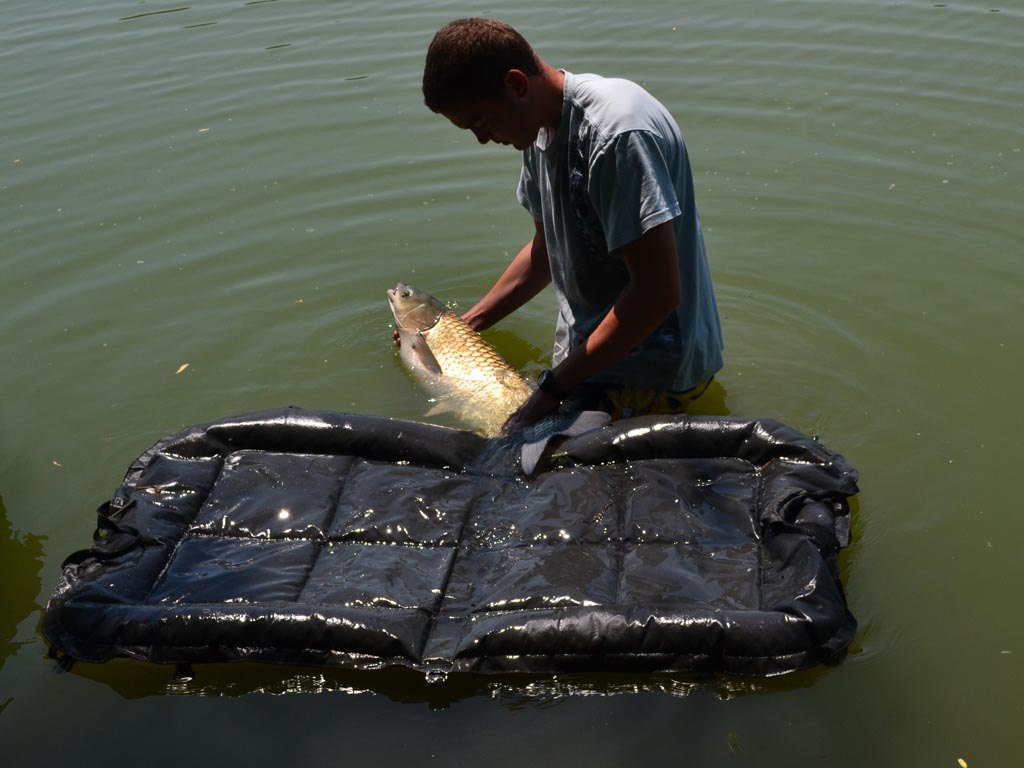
[528, 193]
[631, 187]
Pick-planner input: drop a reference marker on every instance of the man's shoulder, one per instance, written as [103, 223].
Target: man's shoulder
[616, 105]
[590, 85]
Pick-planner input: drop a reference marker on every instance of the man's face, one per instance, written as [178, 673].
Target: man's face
[503, 121]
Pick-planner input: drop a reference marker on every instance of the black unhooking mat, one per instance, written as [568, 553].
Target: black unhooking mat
[657, 543]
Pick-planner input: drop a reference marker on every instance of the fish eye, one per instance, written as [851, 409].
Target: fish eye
[406, 294]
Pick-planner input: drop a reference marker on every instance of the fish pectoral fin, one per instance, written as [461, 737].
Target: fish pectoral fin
[439, 407]
[414, 345]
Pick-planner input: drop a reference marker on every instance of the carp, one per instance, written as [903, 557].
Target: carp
[461, 371]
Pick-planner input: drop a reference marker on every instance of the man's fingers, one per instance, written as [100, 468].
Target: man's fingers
[514, 422]
[509, 426]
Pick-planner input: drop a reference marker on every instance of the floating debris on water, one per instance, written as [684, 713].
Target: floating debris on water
[734, 743]
[181, 368]
[155, 13]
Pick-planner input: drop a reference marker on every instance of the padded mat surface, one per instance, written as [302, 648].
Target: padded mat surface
[658, 543]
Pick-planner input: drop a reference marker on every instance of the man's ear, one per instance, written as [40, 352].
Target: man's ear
[517, 83]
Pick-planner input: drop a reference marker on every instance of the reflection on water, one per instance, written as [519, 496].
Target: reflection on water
[21, 558]
[135, 680]
[711, 402]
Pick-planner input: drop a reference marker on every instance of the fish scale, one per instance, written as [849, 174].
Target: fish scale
[464, 348]
[473, 381]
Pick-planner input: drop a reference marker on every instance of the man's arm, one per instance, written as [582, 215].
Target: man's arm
[652, 294]
[525, 276]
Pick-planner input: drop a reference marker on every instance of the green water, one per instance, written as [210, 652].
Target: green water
[233, 185]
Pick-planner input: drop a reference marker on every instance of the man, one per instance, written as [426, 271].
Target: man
[607, 180]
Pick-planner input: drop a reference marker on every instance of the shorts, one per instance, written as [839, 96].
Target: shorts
[625, 402]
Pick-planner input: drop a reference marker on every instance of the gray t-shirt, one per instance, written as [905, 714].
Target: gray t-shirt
[616, 168]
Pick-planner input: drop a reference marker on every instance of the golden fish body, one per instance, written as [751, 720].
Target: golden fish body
[462, 372]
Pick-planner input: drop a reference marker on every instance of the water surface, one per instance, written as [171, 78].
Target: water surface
[233, 185]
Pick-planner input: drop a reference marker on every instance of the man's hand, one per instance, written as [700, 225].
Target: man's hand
[539, 405]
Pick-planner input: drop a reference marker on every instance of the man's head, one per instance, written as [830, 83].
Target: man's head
[468, 60]
[478, 74]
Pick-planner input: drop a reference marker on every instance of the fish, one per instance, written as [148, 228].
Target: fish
[462, 373]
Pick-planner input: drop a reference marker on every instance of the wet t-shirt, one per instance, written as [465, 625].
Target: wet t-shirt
[615, 168]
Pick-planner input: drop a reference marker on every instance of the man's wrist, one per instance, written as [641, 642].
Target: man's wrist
[548, 384]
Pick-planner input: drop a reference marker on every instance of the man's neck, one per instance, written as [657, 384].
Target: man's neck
[552, 85]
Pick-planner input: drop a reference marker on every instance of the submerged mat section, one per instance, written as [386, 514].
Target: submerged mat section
[658, 543]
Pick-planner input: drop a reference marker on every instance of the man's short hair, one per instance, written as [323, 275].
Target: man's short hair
[467, 61]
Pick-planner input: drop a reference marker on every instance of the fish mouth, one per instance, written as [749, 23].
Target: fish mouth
[392, 297]
[405, 316]
[394, 292]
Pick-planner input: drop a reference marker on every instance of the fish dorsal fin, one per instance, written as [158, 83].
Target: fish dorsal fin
[414, 345]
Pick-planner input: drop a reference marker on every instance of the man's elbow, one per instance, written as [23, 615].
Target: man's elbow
[670, 296]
